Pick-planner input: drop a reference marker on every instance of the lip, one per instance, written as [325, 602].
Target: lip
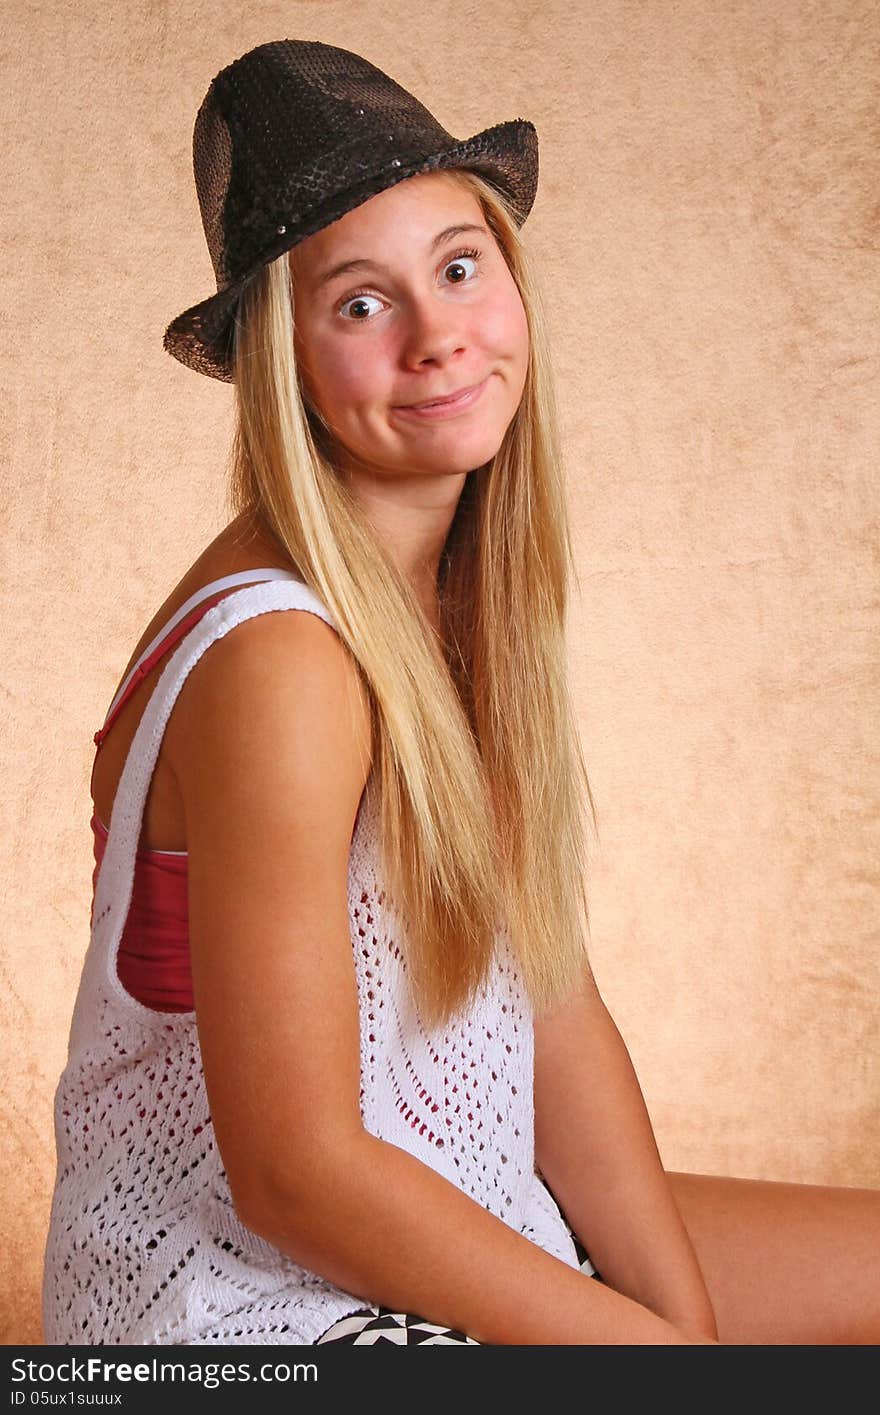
[447, 407]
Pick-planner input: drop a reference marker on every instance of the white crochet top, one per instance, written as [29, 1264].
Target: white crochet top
[144, 1245]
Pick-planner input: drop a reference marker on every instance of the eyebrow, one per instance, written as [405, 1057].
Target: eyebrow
[347, 266]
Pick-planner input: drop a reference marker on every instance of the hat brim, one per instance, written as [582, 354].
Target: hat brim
[202, 337]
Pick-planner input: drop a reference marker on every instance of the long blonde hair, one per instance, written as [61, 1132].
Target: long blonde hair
[476, 753]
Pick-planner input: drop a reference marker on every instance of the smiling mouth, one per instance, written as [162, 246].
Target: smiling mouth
[438, 407]
[442, 402]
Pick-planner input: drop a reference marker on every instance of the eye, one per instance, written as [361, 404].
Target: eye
[459, 258]
[360, 297]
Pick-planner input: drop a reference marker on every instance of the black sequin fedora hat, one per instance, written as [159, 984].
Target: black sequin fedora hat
[290, 137]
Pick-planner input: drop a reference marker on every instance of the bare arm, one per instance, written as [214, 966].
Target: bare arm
[382, 1225]
[596, 1149]
[271, 750]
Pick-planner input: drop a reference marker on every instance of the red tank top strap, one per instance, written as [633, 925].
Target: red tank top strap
[148, 663]
[206, 598]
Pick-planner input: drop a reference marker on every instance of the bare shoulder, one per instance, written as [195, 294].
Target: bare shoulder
[280, 691]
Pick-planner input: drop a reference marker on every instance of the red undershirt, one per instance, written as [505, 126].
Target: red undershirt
[153, 961]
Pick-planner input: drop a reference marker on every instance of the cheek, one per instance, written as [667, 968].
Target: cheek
[339, 381]
[336, 381]
[503, 328]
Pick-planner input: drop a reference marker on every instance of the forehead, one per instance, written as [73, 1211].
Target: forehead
[407, 215]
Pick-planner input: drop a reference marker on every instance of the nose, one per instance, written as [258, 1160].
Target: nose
[434, 332]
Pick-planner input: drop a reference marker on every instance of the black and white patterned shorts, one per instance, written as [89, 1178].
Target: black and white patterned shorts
[374, 1324]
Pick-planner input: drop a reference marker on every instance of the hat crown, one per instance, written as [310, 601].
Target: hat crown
[269, 126]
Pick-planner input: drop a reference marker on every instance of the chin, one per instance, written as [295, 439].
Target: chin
[464, 457]
[456, 437]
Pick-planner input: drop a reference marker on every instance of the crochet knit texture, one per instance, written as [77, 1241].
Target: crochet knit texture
[144, 1245]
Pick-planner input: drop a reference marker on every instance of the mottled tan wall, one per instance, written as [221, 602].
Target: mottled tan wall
[707, 223]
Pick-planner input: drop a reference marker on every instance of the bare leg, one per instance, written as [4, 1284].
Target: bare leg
[786, 1264]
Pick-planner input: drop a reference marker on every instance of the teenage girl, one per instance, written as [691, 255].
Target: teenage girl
[339, 1070]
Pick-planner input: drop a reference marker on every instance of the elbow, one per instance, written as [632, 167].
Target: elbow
[270, 1216]
[285, 1204]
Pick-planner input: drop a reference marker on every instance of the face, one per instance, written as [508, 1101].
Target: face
[425, 313]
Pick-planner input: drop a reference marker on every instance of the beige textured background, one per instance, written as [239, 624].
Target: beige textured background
[707, 220]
